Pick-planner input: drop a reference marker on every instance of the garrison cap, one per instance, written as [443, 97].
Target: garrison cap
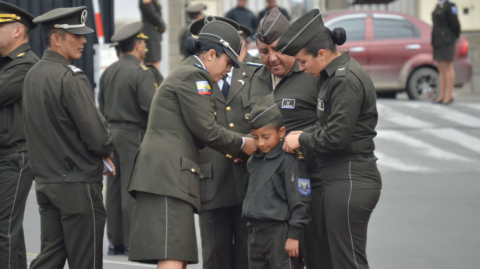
[272, 26]
[70, 19]
[244, 31]
[12, 13]
[197, 8]
[129, 32]
[300, 32]
[264, 112]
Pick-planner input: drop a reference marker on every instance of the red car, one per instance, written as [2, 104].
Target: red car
[395, 50]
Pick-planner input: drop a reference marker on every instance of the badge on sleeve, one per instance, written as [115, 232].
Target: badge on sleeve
[304, 186]
[321, 105]
[288, 103]
[203, 88]
[454, 10]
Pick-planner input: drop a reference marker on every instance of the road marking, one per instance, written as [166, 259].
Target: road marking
[397, 164]
[402, 119]
[460, 138]
[472, 106]
[447, 114]
[421, 146]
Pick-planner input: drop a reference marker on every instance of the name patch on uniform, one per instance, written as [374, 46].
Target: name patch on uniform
[288, 103]
[304, 186]
[204, 88]
[320, 105]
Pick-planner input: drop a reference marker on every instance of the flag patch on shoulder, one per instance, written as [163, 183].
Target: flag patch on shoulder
[203, 88]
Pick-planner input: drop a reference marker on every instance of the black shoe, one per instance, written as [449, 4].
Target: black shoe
[127, 251]
[115, 250]
[449, 102]
[438, 102]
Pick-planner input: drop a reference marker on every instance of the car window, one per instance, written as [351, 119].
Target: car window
[394, 29]
[355, 28]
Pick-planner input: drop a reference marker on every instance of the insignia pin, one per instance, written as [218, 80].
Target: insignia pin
[243, 83]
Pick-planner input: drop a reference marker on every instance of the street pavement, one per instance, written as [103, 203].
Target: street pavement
[428, 214]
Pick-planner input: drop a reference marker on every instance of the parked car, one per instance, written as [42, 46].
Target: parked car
[395, 50]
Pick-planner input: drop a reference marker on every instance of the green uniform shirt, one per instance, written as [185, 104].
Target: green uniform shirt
[347, 113]
[126, 92]
[13, 69]
[153, 24]
[66, 134]
[446, 27]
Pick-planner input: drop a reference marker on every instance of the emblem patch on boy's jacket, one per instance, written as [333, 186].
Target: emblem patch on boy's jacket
[321, 105]
[304, 186]
[288, 103]
[204, 88]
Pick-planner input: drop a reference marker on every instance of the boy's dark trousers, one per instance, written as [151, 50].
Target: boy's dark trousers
[266, 246]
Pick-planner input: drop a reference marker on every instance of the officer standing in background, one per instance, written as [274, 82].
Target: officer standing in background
[153, 27]
[126, 92]
[67, 139]
[194, 13]
[296, 96]
[16, 176]
[242, 15]
[271, 4]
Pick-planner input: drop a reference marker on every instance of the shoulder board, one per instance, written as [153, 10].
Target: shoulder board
[20, 55]
[201, 67]
[341, 71]
[144, 67]
[253, 64]
[299, 155]
[75, 70]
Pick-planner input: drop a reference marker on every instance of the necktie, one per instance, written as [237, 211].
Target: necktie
[225, 87]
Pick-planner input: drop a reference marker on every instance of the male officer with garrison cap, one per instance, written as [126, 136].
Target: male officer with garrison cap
[67, 139]
[126, 92]
[15, 176]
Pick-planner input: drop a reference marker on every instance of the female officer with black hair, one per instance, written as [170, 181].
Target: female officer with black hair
[166, 175]
[342, 137]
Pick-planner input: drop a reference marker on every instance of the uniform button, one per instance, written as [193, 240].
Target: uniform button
[193, 170]
[229, 156]
[231, 125]
[215, 113]
[229, 108]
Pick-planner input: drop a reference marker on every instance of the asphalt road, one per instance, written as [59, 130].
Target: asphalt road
[428, 214]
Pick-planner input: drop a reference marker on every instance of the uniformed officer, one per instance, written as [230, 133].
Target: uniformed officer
[445, 32]
[194, 13]
[67, 139]
[166, 175]
[16, 176]
[242, 15]
[223, 231]
[296, 96]
[153, 27]
[126, 92]
[342, 137]
[245, 34]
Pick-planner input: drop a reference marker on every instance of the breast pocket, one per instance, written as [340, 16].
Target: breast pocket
[189, 177]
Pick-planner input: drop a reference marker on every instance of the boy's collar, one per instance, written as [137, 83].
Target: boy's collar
[273, 153]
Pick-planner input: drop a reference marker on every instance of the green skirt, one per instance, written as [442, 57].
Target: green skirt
[444, 53]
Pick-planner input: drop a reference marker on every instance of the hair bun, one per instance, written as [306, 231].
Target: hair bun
[191, 45]
[339, 36]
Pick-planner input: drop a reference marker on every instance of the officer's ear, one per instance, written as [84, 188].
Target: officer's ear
[321, 54]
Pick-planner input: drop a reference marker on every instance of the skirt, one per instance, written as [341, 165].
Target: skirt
[154, 53]
[444, 53]
[163, 228]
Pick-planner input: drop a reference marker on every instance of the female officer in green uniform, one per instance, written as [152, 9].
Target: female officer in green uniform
[445, 32]
[342, 137]
[166, 175]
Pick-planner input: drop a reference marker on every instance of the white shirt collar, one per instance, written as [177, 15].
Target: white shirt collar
[200, 61]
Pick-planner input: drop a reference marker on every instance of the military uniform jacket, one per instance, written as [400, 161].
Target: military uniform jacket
[13, 69]
[153, 24]
[278, 188]
[223, 180]
[446, 27]
[181, 122]
[243, 16]
[347, 114]
[126, 92]
[67, 137]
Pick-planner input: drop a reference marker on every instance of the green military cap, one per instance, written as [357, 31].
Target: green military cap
[300, 32]
[197, 8]
[272, 26]
[244, 31]
[70, 19]
[197, 26]
[264, 112]
[129, 32]
[12, 13]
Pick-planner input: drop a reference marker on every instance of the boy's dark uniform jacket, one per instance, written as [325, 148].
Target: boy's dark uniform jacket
[182, 122]
[13, 69]
[273, 190]
[446, 27]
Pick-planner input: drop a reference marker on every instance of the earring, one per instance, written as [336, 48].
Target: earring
[209, 59]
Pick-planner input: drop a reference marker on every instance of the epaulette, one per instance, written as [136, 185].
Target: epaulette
[75, 70]
[299, 155]
[144, 67]
[201, 67]
[341, 71]
[253, 64]
[20, 55]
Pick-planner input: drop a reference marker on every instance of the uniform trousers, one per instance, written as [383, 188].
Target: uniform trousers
[15, 183]
[72, 221]
[224, 238]
[119, 203]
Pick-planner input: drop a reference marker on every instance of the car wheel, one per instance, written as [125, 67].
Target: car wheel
[422, 84]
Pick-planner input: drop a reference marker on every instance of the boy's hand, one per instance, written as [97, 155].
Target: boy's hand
[109, 161]
[291, 247]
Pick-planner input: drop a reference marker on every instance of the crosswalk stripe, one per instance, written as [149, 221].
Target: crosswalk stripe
[423, 147]
[397, 164]
[460, 138]
[399, 118]
[447, 114]
[472, 106]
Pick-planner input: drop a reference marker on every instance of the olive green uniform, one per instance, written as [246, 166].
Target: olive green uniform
[182, 36]
[154, 26]
[67, 138]
[445, 31]
[16, 176]
[126, 92]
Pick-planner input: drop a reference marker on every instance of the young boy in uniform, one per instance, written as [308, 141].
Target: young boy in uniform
[278, 194]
